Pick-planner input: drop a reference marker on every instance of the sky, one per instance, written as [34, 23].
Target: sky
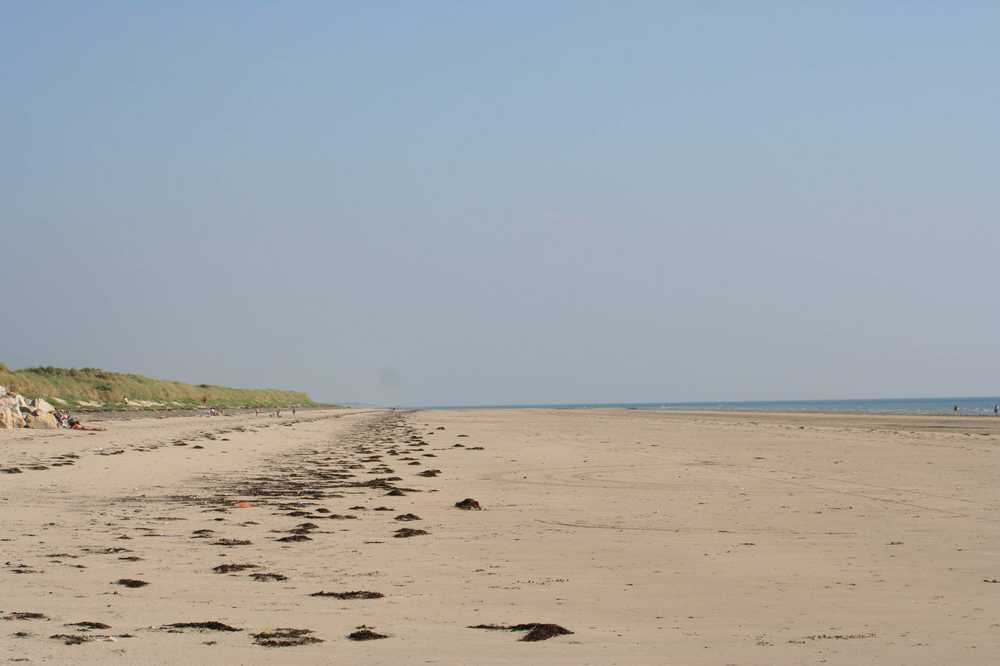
[506, 202]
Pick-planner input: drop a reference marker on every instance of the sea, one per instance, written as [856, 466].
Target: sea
[974, 406]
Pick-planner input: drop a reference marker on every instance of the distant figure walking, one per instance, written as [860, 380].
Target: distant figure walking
[996, 410]
[293, 411]
[955, 408]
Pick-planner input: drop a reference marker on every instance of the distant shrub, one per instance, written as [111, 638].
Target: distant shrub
[45, 370]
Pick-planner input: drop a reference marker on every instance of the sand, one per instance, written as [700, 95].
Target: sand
[654, 538]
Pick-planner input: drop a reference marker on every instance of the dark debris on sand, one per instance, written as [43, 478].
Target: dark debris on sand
[268, 577]
[358, 594]
[87, 625]
[210, 625]
[293, 538]
[229, 568]
[469, 504]
[364, 633]
[406, 517]
[72, 639]
[24, 615]
[285, 637]
[106, 551]
[406, 532]
[131, 582]
[537, 631]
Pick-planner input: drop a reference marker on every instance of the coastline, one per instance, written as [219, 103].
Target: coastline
[697, 538]
[937, 406]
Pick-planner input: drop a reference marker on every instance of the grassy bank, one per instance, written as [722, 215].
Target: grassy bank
[91, 388]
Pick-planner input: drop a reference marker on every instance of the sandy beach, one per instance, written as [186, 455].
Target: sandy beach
[655, 538]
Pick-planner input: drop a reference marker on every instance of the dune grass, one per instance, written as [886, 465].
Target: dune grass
[98, 389]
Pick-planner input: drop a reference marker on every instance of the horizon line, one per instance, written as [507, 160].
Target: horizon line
[679, 402]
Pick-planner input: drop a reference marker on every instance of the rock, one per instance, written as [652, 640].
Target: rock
[10, 418]
[3, 391]
[41, 422]
[7, 418]
[42, 406]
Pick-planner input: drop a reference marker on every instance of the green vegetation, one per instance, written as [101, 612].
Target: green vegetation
[90, 388]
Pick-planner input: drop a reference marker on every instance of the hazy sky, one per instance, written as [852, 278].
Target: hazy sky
[429, 202]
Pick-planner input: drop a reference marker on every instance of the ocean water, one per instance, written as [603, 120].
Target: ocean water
[981, 406]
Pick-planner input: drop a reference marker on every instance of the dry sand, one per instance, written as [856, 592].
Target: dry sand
[655, 538]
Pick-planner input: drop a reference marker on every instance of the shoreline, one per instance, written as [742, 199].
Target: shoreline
[968, 406]
[181, 412]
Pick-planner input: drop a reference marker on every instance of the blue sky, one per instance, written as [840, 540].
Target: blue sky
[506, 202]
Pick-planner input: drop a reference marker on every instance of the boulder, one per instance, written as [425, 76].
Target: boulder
[41, 422]
[10, 418]
[42, 406]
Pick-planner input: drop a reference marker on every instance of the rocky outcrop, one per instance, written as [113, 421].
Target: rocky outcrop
[18, 412]
[41, 422]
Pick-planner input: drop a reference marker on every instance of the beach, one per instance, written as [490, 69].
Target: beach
[654, 538]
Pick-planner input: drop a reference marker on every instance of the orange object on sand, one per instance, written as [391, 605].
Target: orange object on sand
[80, 426]
[244, 505]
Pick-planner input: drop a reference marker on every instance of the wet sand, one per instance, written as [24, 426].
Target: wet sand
[333, 537]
